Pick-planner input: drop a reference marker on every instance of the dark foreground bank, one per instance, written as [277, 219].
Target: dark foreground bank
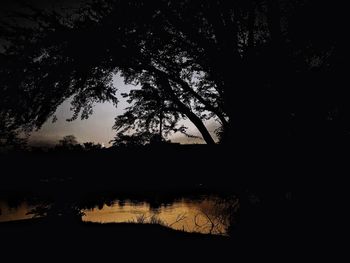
[48, 241]
[39, 238]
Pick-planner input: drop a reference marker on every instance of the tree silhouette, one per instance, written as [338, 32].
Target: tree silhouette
[10, 135]
[239, 62]
[68, 143]
[90, 146]
[153, 115]
[131, 140]
[69, 140]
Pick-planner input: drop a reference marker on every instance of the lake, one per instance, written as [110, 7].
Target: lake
[203, 214]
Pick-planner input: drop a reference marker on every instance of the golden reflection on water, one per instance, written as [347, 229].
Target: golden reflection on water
[17, 213]
[203, 216]
[190, 216]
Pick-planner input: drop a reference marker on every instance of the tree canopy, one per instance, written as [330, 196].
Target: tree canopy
[258, 67]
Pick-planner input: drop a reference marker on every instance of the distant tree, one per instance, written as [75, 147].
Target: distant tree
[131, 140]
[69, 143]
[69, 140]
[91, 146]
[12, 142]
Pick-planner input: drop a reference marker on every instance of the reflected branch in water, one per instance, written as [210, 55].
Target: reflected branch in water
[58, 211]
[155, 220]
[216, 215]
[39, 211]
[179, 218]
[141, 219]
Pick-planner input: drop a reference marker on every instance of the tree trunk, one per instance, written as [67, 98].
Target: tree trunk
[199, 125]
[229, 65]
[164, 82]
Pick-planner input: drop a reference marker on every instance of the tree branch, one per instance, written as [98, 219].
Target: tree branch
[164, 83]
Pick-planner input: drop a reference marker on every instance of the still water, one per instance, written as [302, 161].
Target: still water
[204, 215]
[14, 212]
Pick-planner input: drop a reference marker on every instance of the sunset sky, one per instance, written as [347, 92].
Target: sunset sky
[98, 128]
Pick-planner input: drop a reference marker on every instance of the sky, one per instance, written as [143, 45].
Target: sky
[98, 128]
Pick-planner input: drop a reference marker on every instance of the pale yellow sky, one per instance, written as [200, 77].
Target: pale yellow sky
[98, 128]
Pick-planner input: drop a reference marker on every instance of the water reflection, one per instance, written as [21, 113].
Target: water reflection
[187, 215]
[205, 215]
[11, 213]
